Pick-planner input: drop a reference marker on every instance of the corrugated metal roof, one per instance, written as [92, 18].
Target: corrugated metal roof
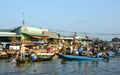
[7, 34]
[50, 34]
[5, 30]
[31, 34]
[31, 30]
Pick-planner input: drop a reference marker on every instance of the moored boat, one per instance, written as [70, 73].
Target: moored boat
[4, 56]
[106, 55]
[76, 57]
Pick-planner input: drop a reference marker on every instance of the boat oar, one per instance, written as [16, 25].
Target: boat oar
[10, 60]
[13, 57]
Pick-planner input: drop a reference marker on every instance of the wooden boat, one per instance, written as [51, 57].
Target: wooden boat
[4, 57]
[45, 56]
[106, 55]
[4, 54]
[75, 57]
[39, 58]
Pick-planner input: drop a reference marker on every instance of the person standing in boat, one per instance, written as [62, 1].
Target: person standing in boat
[22, 51]
[80, 50]
[71, 49]
[95, 52]
[88, 52]
[49, 49]
[64, 48]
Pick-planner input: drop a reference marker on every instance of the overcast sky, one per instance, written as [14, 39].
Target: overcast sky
[93, 16]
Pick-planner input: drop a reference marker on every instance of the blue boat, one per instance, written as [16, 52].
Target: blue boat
[75, 57]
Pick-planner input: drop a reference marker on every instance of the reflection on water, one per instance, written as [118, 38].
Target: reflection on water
[62, 67]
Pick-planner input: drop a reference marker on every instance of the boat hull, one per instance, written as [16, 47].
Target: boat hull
[39, 59]
[75, 57]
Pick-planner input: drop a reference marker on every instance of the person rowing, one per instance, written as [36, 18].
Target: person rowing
[14, 57]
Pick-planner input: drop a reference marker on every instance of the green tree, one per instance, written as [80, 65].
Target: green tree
[116, 39]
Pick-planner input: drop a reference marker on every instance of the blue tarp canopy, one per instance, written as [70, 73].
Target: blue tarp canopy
[35, 42]
[39, 42]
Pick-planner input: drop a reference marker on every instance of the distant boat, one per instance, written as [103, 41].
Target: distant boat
[75, 57]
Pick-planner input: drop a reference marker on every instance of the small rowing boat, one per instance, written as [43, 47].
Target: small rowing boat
[38, 59]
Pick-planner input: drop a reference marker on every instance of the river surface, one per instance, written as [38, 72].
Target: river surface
[62, 67]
